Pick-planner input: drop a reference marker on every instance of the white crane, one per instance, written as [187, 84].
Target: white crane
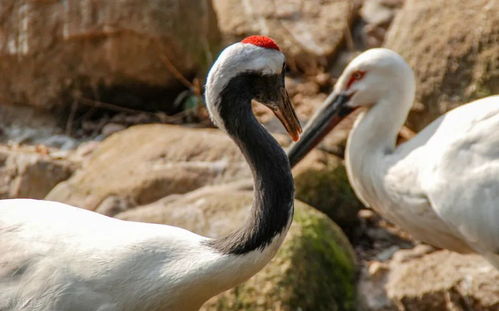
[55, 257]
[442, 186]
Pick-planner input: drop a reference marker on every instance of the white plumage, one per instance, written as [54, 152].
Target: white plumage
[442, 186]
[59, 257]
[56, 257]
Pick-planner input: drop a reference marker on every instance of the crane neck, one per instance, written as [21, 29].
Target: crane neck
[272, 207]
[372, 141]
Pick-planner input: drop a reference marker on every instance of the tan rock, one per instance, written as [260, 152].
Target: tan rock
[309, 32]
[144, 163]
[212, 210]
[452, 45]
[377, 14]
[55, 52]
[444, 280]
[28, 173]
[420, 279]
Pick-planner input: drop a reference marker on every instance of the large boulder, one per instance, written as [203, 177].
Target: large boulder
[147, 162]
[209, 210]
[452, 45]
[123, 52]
[309, 32]
[314, 269]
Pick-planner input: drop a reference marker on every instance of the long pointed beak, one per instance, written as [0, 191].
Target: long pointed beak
[333, 110]
[286, 114]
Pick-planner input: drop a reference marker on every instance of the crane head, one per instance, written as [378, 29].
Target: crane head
[365, 82]
[255, 67]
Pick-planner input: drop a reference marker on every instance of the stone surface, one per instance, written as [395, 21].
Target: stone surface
[423, 279]
[209, 210]
[27, 125]
[58, 52]
[313, 270]
[377, 16]
[327, 188]
[454, 52]
[443, 280]
[379, 12]
[309, 32]
[147, 162]
[30, 173]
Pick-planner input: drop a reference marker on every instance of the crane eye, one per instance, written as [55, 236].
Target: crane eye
[358, 75]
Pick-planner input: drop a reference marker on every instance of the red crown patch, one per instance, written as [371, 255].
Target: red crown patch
[261, 41]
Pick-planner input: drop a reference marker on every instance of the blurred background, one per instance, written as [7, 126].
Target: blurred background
[101, 107]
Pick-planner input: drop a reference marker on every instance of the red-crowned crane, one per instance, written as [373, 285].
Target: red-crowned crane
[442, 186]
[59, 257]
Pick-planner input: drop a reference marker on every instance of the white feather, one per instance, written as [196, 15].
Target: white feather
[442, 185]
[59, 257]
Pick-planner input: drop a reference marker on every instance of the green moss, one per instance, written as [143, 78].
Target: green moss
[323, 266]
[329, 191]
[313, 270]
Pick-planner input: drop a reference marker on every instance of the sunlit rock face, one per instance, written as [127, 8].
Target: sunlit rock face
[53, 53]
[309, 32]
[453, 53]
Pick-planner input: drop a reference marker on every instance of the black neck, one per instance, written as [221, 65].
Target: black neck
[273, 182]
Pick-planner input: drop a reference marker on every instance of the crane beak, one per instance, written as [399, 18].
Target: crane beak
[284, 111]
[333, 110]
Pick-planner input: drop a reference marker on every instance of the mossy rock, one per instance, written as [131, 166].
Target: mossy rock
[329, 190]
[313, 270]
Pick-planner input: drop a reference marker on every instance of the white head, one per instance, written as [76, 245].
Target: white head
[379, 80]
[257, 55]
[374, 75]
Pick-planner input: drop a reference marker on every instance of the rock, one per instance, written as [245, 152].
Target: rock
[451, 282]
[329, 190]
[26, 173]
[454, 52]
[379, 12]
[371, 288]
[111, 128]
[313, 270]
[54, 52]
[378, 15]
[309, 32]
[210, 210]
[27, 125]
[144, 163]
[420, 280]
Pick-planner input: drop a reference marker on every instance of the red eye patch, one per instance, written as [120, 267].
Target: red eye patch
[356, 76]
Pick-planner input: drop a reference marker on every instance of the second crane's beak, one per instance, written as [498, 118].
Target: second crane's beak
[284, 111]
[325, 119]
